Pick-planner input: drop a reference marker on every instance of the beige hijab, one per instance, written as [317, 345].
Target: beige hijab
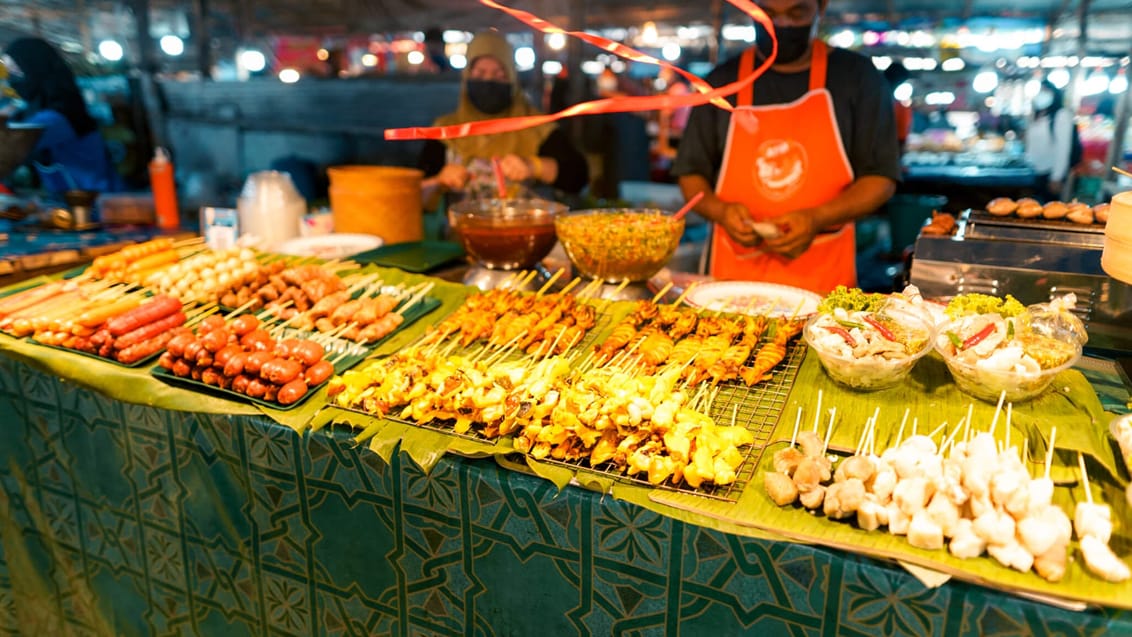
[524, 143]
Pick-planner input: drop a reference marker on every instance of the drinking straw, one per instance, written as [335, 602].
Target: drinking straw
[688, 206]
[500, 183]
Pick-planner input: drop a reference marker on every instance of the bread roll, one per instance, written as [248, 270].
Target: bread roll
[1080, 213]
[1100, 213]
[1055, 210]
[1028, 208]
[1001, 206]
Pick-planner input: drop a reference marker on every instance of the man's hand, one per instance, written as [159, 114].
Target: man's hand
[796, 232]
[453, 177]
[736, 220]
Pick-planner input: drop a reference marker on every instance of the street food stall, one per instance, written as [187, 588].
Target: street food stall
[220, 440]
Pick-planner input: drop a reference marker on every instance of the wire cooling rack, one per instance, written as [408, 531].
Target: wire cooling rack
[757, 408]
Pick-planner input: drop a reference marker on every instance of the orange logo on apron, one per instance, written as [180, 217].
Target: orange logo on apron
[780, 158]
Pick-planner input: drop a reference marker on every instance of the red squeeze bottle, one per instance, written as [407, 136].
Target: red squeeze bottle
[164, 190]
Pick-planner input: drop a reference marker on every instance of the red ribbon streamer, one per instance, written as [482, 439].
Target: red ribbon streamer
[705, 93]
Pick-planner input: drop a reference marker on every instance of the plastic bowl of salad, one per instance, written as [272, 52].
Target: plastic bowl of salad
[994, 346]
[615, 244]
[870, 346]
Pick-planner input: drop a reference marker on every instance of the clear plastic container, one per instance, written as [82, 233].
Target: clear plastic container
[865, 371]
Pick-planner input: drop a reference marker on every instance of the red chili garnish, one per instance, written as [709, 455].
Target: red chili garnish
[880, 327]
[979, 336]
[843, 333]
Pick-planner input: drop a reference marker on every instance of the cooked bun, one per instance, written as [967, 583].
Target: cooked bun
[1001, 206]
[1055, 210]
[1028, 208]
[1080, 213]
[1100, 212]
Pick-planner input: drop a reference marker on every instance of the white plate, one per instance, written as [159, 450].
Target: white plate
[330, 246]
[753, 297]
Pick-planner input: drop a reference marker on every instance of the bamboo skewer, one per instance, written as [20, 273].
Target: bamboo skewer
[684, 294]
[1084, 477]
[817, 414]
[797, 421]
[1049, 450]
[829, 430]
[659, 295]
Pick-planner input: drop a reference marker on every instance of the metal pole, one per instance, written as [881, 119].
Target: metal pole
[1073, 94]
[716, 37]
[146, 59]
[202, 38]
[1120, 133]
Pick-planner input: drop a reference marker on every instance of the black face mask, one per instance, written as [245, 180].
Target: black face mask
[792, 42]
[489, 96]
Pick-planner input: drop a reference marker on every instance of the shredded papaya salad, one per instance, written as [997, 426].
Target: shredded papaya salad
[1002, 335]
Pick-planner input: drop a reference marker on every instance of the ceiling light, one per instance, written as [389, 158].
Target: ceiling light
[288, 76]
[985, 82]
[172, 45]
[843, 39]
[671, 51]
[415, 58]
[939, 98]
[458, 61]
[110, 50]
[649, 34]
[882, 62]
[525, 58]
[556, 41]
[253, 60]
[551, 68]
[1095, 84]
[369, 59]
[738, 33]
[903, 92]
[1118, 85]
[953, 64]
[1059, 78]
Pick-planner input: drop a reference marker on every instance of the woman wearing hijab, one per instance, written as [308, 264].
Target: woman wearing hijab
[1049, 141]
[489, 90]
[71, 153]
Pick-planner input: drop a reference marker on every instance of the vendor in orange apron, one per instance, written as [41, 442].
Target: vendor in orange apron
[781, 158]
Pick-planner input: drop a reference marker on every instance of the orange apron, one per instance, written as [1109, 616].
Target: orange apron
[780, 158]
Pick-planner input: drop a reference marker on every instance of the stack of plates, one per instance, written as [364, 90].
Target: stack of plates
[330, 246]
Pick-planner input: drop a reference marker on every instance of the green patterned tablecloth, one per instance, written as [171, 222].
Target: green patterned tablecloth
[123, 519]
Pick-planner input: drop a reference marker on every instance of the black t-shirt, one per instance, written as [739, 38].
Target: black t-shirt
[862, 103]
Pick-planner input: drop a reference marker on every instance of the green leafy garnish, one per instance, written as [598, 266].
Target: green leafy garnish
[974, 303]
[851, 300]
[955, 340]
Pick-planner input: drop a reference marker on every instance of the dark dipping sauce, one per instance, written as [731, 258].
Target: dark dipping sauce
[506, 244]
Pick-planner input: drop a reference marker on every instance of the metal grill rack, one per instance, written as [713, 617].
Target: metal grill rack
[757, 408]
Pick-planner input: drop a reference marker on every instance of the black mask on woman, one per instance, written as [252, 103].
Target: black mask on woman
[489, 96]
[792, 42]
